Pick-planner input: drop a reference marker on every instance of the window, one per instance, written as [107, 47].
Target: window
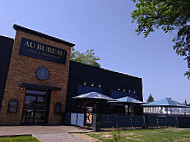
[13, 104]
[57, 108]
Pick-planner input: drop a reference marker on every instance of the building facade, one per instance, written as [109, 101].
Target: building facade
[85, 78]
[37, 77]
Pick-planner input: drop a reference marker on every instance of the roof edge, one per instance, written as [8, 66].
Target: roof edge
[20, 28]
[1, 36]
[109, 70]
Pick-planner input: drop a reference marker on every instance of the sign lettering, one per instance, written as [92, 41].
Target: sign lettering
[41, 51]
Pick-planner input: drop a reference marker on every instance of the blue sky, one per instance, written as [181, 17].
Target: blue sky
[105, 25]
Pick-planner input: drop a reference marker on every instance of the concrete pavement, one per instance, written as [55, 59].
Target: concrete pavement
[47, 133]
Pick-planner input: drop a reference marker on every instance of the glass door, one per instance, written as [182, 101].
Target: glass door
[36, 107]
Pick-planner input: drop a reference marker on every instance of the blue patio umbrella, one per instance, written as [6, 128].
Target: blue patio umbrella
[127, 100]
[94, 95]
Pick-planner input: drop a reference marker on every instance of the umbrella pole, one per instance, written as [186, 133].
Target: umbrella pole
[128, 110]
[167, 111]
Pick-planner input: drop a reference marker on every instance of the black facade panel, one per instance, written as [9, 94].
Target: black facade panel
[109, 80]
[6, 45]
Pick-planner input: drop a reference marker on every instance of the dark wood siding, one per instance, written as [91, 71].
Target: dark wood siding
[109, 80]
[6, 45]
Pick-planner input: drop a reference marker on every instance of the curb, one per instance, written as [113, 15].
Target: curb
[15, 135]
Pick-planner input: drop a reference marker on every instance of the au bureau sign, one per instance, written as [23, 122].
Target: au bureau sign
[41, 51]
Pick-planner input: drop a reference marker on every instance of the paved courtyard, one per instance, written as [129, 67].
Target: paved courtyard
[47, 133]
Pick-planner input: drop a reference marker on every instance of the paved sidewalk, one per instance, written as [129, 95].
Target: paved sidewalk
[46, 133]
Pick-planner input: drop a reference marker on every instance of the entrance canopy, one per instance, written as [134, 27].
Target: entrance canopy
[94, 95]
[166, 102]
[43, 87]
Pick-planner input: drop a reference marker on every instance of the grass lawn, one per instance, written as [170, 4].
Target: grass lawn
[144, 135]
[19, 139]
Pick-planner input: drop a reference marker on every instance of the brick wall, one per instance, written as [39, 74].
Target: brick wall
[22, 69]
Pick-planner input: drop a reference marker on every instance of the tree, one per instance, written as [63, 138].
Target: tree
[185, 102]
[87, 57]
[169, 15]
[150, 99]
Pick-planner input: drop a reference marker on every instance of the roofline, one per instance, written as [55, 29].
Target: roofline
[20, 28]
[107, 70]
[163, 106]
[6, 37]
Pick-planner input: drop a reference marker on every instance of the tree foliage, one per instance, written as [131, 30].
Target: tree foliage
[150, 99]
[87, 57]
[186, 103]
[170, 16]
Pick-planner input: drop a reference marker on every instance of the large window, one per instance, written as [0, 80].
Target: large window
[82, 89]
[120, 94]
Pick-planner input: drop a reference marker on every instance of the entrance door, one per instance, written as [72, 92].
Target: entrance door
[36, 107]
